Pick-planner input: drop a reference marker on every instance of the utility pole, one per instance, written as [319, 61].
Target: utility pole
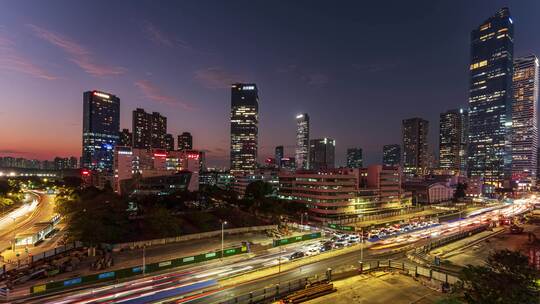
[223, 223]
[144, 259]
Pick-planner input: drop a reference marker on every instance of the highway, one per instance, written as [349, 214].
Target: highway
[175, 281]
[39, 207]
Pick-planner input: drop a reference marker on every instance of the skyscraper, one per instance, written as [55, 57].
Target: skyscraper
[453, 133]
[185, 141]
[101, 126]
[126, 138]
[490, 99]
[354, 158]
[391, 155]
[524, 121]
[244, 127]
[169, 142]
[159, 130]
[322, 153]
[141, 129]
[302, 141]
[279, 154]
[149, 129]
[415, 145]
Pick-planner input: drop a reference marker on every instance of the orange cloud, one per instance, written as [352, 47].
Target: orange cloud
[10, 59]
[78, 54]
[154, 93]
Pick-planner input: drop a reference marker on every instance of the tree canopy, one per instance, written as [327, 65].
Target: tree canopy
[94, 216]
[505, 278]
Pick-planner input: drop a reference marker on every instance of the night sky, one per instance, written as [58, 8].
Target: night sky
[358, 69]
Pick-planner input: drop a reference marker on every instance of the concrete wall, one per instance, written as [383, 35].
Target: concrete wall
[188, 237]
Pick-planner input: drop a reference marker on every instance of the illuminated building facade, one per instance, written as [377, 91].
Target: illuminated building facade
[524, 121]
[149, 130]
[126, 138]
[327, 194]
[101, 126]
[335, 194]
[244, 127]
[490, 99]
[279, 154]
[354, 158]
[132, 162]
[453, 136]
[391, 155]
[288, 163]
[302, 141]
[185, 141]
[322, 153]
[169, 142]
[415, 146]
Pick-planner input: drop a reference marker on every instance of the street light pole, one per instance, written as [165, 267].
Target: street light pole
[223, 223]
[279, 261]
[362, 245]
[144, 259]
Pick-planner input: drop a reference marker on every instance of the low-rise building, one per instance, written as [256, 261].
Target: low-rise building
[430, 192]
[345, 193]
[327, 194]
[143, 163]
[242, 181]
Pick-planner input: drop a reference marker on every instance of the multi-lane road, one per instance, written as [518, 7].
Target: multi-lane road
[176, 284]
[38, 207]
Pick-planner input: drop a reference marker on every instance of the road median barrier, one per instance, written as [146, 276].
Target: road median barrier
[123, 273]
[268, 271]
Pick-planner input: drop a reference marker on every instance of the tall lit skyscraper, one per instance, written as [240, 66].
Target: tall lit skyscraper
[415, 146]
[322, 153]
[391, 155]
[524, 121]
[125, 138]
[159, 130]
[302, 141]
[149, 129]
[453, 135]
[169, 142]
[279, 154]
[244, 127]
[490, 99]
[101, 126]
[141, 127]
[354, 158]
[185, 141]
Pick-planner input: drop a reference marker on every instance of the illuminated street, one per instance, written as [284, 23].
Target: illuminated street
[216, 291]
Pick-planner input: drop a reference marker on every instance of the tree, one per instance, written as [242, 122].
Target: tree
[72, 181]
[93, 216]
[450, 300]
[258, 190]
[460, 191]
[505, 278]
[161, 223]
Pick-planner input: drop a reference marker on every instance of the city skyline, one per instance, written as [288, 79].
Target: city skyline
[71, 64]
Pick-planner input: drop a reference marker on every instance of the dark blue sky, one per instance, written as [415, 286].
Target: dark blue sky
[357, 68]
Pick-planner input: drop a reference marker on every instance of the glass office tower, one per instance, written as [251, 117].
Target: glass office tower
[244, 127]
[524, 121]
[302, 141]
[453, 135]
[101, 129]
[490, 99]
